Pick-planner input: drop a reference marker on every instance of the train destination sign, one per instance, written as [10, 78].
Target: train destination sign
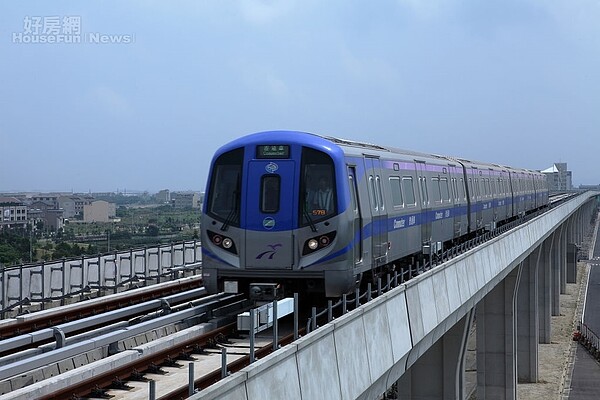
[273, 151]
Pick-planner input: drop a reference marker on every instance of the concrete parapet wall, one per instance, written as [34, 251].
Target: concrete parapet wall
[359, 355]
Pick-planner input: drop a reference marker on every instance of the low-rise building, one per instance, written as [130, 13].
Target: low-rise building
[99, 211]
[185, 199]
[51, 217]
[13, 213]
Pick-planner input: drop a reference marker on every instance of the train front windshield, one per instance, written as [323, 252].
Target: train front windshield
[317, 185]
[225, 189]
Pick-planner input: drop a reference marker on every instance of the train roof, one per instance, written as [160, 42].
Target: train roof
[320, 140]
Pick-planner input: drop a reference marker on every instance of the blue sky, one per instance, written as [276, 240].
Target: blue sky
[505, 81]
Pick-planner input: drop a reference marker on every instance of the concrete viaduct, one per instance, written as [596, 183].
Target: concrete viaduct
[416, 334]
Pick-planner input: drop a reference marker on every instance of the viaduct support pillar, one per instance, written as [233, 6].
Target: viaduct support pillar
[545, 291]
[527, 319]
[439, 373]
[555, 271]
[496, 341]
[563, 258]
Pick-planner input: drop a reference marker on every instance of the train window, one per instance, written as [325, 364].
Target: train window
[317, 187]
[472, 189]
[461, 190]
[445, 189]
[396, 190]
[379, 193]
[373, 195]
[408, 190]
[436, 194]
[353, 193]
[481, 187]
[424, 192]
[455, 189]
[225, 187]
[488, 187]
[270, 194]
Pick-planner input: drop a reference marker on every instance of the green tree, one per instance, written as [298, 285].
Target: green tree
[8, 254]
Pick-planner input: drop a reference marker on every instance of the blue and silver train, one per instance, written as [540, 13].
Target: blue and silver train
[316, 214]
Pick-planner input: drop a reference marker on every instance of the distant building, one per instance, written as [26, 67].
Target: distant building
[81, 202]
[99, 211]
[48, 214]
[67, 203]
[164, 196]
[13, 212]
[185, 199]
[558, 177]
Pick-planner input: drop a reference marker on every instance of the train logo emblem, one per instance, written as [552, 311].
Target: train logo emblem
[271, 252]
[271, 167]
[268, 223]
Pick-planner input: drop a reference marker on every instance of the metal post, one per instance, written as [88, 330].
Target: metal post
[344, 304]
[275, 327]
[64, 276]
[378, 286]
[329, 310]
[43, 286]
[223, 362]
[314, 318]
[252, 327]
[295, 316]
[357, 298]
[395, 278]
[191, 379]
[369, 292]
[152, 394]
[21, 289]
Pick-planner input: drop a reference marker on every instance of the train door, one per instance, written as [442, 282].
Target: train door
[425, 204]
[378, 211]
[271, 201]
[357, 221]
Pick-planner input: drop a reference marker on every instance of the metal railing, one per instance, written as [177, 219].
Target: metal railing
[24, 284]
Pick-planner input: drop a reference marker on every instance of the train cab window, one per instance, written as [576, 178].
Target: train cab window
[408, 190]
[396, 190]
[225, 187]
[317, 187]
[270, 194]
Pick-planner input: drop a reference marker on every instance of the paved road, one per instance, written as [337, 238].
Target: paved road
[585, 382]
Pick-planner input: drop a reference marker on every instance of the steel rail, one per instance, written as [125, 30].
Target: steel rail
[48, 318]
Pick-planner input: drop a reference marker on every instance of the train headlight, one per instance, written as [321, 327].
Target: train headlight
[224, 242]
[318, 243]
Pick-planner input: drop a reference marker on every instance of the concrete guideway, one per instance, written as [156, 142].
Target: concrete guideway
[584, 382]
[361, 354]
